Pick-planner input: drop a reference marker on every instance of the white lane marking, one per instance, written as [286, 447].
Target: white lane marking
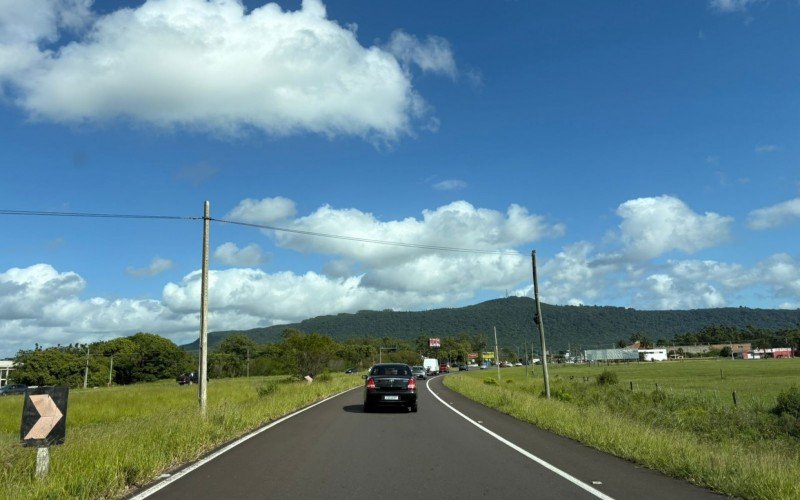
[577, 482]
[163, 484]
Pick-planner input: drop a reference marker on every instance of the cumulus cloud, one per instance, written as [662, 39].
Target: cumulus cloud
[458, 224]
[213, 65]
[574, 276]
[286, 296]
[775, 215]
[653, 226]
[450, 185]
[157, 266]
[231, 255]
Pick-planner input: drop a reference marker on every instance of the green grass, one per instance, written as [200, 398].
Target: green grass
[123, 437]
[688, 428]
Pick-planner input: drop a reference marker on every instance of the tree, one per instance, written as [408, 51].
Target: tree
[308, 353]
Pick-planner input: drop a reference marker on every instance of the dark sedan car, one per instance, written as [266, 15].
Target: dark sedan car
[390, 384]
[10, 389]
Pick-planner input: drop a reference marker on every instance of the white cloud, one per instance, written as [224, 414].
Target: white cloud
[231, 255]
[775, 215]
[267, 211]
[433, 55]
[767, 148]
[458, 224]
[731, 5]
[157, 266]
[285, 296]
[25, 292]
[213, 66]
[653, 226]
[450, 185]
[574, 277]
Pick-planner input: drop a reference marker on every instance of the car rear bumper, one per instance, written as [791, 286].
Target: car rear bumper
[387, 398]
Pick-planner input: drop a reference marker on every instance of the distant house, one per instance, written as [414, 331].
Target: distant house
[771, 352]
[653, 354]
[601, 355]
[6, 367]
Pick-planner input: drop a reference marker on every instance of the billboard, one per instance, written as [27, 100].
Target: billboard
[488, 355]
[433, 342]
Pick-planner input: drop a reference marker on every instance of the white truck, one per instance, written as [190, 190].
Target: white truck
[431, 365]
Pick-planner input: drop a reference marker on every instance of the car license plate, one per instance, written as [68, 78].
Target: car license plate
[391, 398]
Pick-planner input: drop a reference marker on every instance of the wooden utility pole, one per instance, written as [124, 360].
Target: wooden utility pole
[202, 378]
[496, 354]
[540, 324]
[86, 371]
[110, 370]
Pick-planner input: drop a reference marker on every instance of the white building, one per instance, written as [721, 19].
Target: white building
[653, 354]
[5, 368]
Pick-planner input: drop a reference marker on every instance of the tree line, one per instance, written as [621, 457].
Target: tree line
[146, 357]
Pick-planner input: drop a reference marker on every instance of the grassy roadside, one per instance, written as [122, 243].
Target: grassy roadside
[124, 437]
[742, 450]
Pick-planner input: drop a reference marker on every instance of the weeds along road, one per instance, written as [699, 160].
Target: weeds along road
[334, 450]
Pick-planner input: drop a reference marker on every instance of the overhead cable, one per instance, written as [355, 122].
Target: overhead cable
[369, 240]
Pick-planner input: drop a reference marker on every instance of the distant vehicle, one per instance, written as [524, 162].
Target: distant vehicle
[517, 364]
[463, 368]
[444, 368]
[485, 365]
[431, 365]
[187, 378]
[419, 372]
[351, 370]
[390, 384]
[8, 390]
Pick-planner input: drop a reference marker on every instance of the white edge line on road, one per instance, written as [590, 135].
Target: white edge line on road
[163, 484]
[577, 482]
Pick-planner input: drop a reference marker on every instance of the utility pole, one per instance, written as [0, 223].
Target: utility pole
[202, 378]
[525, 344]
[110, 370]
[496, 354]
[86, 371]
[540, 324]
[248, 362]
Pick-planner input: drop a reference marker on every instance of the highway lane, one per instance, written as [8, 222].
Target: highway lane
[334, 450]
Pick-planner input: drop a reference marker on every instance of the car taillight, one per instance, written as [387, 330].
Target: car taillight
[412, 384]
[371, 383]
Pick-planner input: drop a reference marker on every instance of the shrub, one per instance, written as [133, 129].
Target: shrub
[509, 381]
[323, 377]
[267, 389]
[489, 381]
[788, 402]
[607, 378]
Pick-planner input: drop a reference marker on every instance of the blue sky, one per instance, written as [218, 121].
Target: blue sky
[647, 150]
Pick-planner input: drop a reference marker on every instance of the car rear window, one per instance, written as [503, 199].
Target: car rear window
[398, 370]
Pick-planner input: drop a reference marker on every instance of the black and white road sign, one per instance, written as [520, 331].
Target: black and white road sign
[44, 416]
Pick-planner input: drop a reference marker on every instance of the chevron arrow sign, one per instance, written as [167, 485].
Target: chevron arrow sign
[44, 416]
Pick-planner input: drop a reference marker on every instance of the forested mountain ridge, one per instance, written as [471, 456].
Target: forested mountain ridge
[565, 326]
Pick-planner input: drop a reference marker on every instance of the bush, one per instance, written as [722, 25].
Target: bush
[509, 381]
[323, 377]
[489, 381]
[607, 378]
[267, 389]
[788, 402]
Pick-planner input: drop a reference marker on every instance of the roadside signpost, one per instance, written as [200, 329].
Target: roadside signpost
[44, 422]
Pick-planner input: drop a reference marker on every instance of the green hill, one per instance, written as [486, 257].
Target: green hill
[565, 326]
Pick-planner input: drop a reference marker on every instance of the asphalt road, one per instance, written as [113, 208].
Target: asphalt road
[334, 450]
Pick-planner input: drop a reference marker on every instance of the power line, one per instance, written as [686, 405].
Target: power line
[368, 240]
[259, 226]
[94, 215]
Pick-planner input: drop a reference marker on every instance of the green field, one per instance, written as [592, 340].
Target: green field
[679, 417]
[123, 437]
